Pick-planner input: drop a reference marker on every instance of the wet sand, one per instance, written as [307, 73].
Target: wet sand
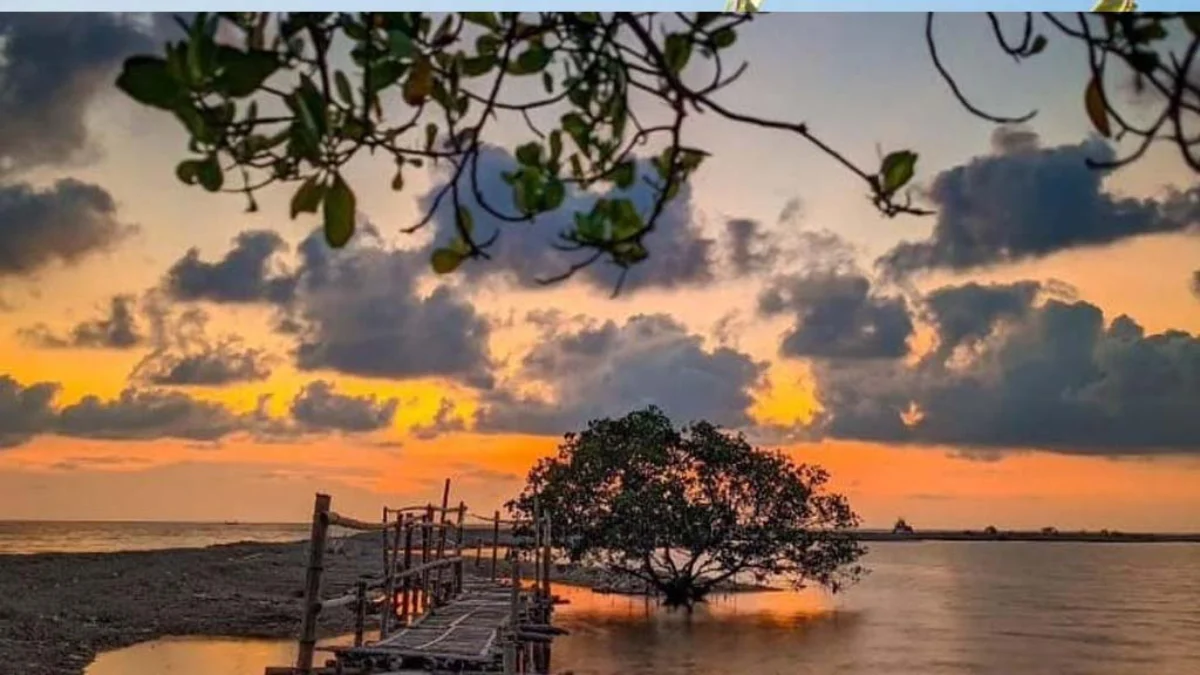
[58, 610]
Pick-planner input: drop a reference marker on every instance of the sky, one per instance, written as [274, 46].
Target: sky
[1029, 355]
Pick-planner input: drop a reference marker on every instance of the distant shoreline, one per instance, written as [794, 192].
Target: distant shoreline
[1042, 537]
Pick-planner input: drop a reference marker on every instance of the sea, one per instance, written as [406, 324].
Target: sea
[927, 608]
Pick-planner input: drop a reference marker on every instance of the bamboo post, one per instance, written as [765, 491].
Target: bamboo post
[426, 550]
[389, 562]
[312, 584]
[511, 647]
[441, 549]
[458, 549]
[408, 551]
[495, 542]
[546, 563]
[478, 553]
[389, 603]
[360, 612]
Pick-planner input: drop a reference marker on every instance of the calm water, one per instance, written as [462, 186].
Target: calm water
[83, 537]
[928, 609]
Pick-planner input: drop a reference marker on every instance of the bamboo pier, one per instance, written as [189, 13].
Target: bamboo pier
[432, 617]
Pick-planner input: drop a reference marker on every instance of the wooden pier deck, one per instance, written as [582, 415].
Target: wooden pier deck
[432, 618]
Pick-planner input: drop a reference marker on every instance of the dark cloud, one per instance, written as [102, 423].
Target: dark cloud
[245, 274]
[117, 330]
[225, 362]
[148, 414]
[444, 421]
[52, 66]
[362, 313]
[680, 255]
[1024, 201]
[837, 315]
[62, 223]
[750, 250]
[1051, 376]
[25, 411]
[1196, 283]
[319, 408]
[603, 370]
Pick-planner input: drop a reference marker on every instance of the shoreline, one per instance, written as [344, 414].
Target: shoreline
[59, 610]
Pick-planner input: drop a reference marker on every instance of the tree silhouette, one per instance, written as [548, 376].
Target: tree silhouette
[601, 94]
[686, 509]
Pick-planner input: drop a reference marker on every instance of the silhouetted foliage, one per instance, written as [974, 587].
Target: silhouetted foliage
[262, 97]
[686, 509]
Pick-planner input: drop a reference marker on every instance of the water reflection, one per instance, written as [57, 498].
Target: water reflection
[927, 609]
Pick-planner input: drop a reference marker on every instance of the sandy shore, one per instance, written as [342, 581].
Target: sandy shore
[58, 610]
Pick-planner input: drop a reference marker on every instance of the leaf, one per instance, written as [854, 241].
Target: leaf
[555, 145]
[445, 260]
[897, 170]
[678, 51]
[554, 195]
[244, 72]
[209, 174]
[623, 174]
[724, 38]
[398, 179]
[476, 66]
[573, 124]
[548, 82]
[308, 197]
[1192, 21]
[431, 130]
[419, 84]
[531, 60]
[188, 171]
[530, 154]
[485, 19]
[1093, 103]
[147, 80]
[343, 88]
[339, 213]
[463, 220]
[1039, 44]
[399, 44]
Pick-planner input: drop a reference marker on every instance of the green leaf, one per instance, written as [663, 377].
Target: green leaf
[399, 44]
[573, 124]
[1093, 103]
[242, 73]
[530, 154]
[419, 84]
[386, 73]
[339, 213]
[623, 175]
[188, 171]
[485, 19]
[897, 170]
[1039, 44]
[476, 66]
[464, 220]
[1192, 21]
[548, 82]
[431, 131]
[209, 174]
[343, 88]
[724, 38]
[487, 44]
[446, 260]
[531, 60]
[398, 179]
[307, 198]
[554, 195]
[555, 146]
[678, 51]
[147, 80]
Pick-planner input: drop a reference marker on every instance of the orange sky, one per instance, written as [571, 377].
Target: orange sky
[130, 152]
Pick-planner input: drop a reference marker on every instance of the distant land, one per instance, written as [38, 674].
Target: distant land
[1084, 536]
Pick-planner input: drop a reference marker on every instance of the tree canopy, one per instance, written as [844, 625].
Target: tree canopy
[684, 509]
[293, 98]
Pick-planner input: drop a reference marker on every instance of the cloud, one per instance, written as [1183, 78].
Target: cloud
[750, 250]
[1024, 201]
[595, 370]
[1196, 283]
[1049, 376]
[680, 255]
[837, 315]
[184, 354]
[62, 223]
[243, 275]
[25, 411]
[362, 313]
[444, 421]
[319, 408]
[52, 67]
[118, 329]
[148, 414]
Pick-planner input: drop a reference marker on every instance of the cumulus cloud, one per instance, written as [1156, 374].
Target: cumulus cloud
[445, 420]
[245, 274]
[680, 255]
[1052, 376]
[837, 315]
[52, 67]
[591, 370]
[25, 411]
[1024, 201]
[749, 248]
[148, 414]
[319, 408]
[62, 223]
[118, 329]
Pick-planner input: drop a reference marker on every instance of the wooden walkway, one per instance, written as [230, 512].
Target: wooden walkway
[432, 618]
